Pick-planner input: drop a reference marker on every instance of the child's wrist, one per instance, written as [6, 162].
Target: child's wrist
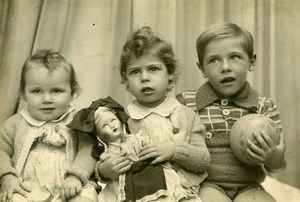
[6, 175]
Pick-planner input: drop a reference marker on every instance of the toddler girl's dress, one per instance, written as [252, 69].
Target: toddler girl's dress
[44, 163]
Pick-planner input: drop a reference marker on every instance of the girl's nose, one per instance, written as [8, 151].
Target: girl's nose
[47, 97]
[144, 76]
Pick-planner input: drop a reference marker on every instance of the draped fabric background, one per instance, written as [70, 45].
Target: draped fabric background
[91, 33]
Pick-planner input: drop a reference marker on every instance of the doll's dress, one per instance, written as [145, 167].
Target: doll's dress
[46, 164]
[117, 190]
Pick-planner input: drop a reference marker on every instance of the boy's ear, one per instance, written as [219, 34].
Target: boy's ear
[252, 62]
[202, 70]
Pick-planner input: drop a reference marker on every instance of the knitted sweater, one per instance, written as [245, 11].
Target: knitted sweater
[173, 121]
[19, 132]
[218, 116]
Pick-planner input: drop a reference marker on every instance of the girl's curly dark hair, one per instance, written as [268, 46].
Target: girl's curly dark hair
[143, 42]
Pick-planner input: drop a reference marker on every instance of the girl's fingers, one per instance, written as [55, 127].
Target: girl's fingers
[25, 186]
[21, 191]
[260, 140]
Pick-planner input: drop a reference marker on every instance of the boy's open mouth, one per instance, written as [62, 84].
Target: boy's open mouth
[227, 80]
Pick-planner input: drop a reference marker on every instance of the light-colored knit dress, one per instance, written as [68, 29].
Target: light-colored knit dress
[166, 123]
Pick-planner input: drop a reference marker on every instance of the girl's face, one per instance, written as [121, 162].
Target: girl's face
[109, 128]
[47, 93]
[147, 79]
[226, 64]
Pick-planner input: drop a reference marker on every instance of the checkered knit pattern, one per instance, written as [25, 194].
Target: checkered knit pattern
[218, 116]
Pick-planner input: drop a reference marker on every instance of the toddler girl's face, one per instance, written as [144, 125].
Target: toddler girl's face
[109, 127]
[226, 64]
[47, 93]
[148, 80]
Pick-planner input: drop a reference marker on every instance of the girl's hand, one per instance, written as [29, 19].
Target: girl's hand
[71, 186]
[114, 166]
[10, 184]
[163, 151]
[268, 153]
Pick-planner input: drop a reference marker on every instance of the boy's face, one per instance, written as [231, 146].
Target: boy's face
[109, 128]
[148, 79]
[47, 93]
[226, 64]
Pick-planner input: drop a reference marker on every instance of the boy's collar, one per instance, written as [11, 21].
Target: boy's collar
[246, 98]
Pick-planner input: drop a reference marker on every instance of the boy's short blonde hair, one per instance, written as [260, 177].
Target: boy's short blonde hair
[222, 31]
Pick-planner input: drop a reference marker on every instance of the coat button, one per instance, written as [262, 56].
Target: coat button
[224, 102]
[175, 130]
[56, 128]
[226, 112]
[208, 135]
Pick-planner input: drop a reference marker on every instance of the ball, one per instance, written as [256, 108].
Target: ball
[243, 129]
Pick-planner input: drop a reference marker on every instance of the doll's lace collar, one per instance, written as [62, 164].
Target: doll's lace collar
[137, 111]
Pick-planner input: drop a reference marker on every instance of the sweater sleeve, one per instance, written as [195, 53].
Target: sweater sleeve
[84, 163]
[193, 155]
[7, 133]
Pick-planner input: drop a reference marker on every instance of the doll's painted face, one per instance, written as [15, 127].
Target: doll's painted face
[109, 127]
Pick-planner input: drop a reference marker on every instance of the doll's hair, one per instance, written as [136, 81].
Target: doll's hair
[51, 60]
[223, 31]
[143, 42]
[99, 113]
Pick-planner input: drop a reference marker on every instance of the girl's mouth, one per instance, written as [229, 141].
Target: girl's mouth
[147, 90]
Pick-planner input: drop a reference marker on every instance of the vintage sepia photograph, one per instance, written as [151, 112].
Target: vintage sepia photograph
[149, 100]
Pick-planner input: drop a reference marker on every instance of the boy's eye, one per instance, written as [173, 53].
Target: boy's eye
[234, 57]
[213, 60]
[36, 91]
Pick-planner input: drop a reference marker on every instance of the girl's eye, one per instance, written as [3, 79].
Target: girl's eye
[57, 91]
[154, 68]
[132, 72]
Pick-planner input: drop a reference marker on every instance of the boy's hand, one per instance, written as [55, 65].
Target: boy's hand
[10, 184]
[71, 186]
[163, 151]
[268, 154]
[114, 166]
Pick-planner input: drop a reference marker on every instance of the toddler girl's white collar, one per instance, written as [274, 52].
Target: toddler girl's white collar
[137, 111]
[26, 115]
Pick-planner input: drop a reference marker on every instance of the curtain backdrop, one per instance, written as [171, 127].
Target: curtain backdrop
[91, 33]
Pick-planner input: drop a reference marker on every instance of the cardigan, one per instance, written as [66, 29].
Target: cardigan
[176, 122]
[218, 115]
[19, 132]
